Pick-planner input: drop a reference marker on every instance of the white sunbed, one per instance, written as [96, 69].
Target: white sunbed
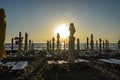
[9, 64]
[0, 63]
[62, 62]
[112, 61]
[51, 62]
[81, 60]
[116, 61]
[20, 65]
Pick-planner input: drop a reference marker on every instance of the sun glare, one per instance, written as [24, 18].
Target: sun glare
[63, 31]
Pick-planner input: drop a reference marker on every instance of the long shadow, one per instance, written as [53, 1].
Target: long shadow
[35, 70]
[79, 73]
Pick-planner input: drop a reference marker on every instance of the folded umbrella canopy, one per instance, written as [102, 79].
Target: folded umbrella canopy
[2, 34]
[26, 42]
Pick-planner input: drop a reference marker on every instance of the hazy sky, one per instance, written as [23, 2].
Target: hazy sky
[40, 18]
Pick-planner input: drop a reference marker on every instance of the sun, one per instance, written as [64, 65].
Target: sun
[62, 30]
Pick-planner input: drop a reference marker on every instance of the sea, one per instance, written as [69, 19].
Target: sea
[41, 46]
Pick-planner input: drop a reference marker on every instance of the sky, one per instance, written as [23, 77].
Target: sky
[39, 18]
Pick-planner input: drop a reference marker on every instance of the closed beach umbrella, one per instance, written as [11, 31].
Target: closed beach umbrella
[26, 42]
[2, 34]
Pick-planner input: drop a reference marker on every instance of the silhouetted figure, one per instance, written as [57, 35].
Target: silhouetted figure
[71, 58]
[78, 45]
[87, 43]
[26, 43]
